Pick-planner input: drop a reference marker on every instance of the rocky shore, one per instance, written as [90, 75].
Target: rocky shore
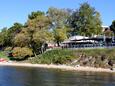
[62, 67]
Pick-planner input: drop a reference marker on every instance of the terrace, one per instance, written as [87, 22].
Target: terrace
[89, 42]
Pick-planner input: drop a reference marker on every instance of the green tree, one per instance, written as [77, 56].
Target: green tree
[42, 36]
[112, 27]
[60, 35]
[4, 37]
[85, 21]
[58, 16]
[37, 30]
[59, 24]
[16, 28]
[40, 22]
[7, 34]
[13, 31]
[21, 40]
[33, 15]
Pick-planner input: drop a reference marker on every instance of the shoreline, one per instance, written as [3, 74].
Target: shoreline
[62, 67]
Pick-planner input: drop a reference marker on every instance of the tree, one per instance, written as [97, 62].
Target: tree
[4, 37]
[40, 22]
[40, 39]
[112, 27]
[60, 35]
[7, 34]
[33, 15]
[85, 21]
[42, 36]
[37, 29]
[108, 33]
[59, 24]
[21, 40]
[58, 16]
[16, 28]
[13, 31]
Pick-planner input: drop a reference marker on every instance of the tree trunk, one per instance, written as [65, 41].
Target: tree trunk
[58, 43]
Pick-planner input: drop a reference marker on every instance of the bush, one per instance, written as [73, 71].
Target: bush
[57, 56]
[8, 49]
[85, 57]
[21, 53]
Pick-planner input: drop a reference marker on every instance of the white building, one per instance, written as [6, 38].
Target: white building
[104, 27]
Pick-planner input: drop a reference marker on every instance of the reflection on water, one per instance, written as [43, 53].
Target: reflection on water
[22, 76]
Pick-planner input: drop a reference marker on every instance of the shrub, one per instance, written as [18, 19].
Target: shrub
[85, 57]
[57, 56]
[21, 53]
[8, 49]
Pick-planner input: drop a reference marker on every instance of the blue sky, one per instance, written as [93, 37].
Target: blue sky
[17, 10]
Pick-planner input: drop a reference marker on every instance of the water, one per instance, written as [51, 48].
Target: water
[23, 76]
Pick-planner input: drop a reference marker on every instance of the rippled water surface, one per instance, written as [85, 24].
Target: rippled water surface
[23, 76]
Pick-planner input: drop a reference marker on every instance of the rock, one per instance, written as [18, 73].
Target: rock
[110, 62]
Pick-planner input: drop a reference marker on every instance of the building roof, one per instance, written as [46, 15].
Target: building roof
[77, 37]
[73, 38]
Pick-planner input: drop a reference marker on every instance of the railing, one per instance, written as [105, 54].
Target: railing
[91, 46]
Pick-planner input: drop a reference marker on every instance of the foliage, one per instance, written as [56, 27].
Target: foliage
[38, 31]
[3, 37]
[60, 35]
[8, 49]
[34, 15]
[21, 40]
[21, 53]
[3, 55]
[107, 52]
[96, 57]
[93, 57]
[57, 56]
[58, 17]
[40, 22]
[42, 36]
[85, 21]
[9, 34]
[112, 26]
[35, 33]
[108, 33]
[59, 24]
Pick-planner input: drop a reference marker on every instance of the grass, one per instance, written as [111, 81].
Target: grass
[57, 56]
[107, 52]
[3, 55]
[66, 56]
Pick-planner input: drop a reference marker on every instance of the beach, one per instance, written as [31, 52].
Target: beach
[62, 67]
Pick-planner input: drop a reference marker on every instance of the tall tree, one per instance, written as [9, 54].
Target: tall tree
[58, 16]
[13, 31]
[4, 37]
[85, 21]
[59, 24]
[40, 22]
[37, 29]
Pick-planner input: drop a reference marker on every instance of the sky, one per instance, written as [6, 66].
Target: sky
[12, 11]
